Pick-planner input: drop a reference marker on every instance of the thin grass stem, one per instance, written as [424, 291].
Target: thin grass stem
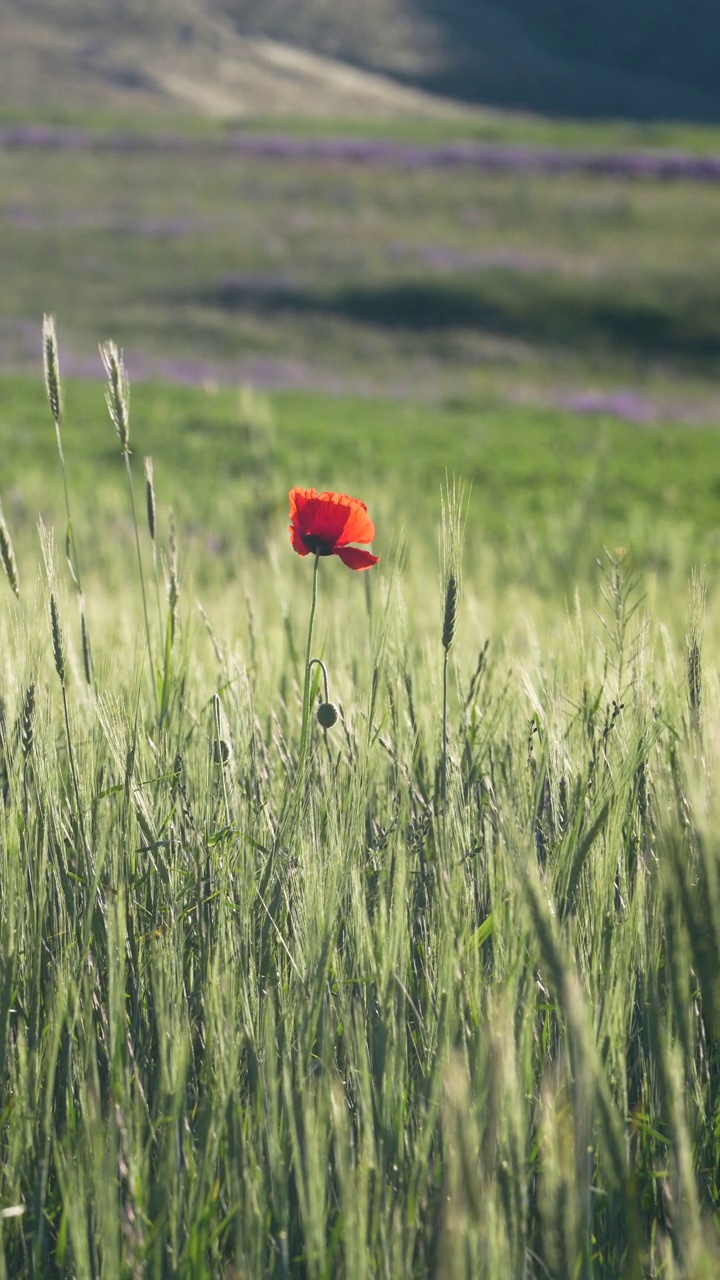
[148, 637]
[150, 504]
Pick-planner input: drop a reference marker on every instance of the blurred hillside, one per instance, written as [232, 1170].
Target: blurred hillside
[157, 59]
[648, 59]
[645, 58]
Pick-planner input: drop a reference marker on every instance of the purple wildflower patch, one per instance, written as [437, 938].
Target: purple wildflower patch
[627, 405]
[658, 165]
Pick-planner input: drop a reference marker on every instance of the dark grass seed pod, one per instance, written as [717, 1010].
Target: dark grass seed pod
[327, 715]
[221, 751]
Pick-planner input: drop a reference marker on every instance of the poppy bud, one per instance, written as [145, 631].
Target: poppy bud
[220, 751]
[327, 714]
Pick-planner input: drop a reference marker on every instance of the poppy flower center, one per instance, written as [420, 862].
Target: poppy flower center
[318, 546]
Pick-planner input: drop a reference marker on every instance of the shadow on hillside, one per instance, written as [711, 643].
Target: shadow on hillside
[569, 58]
[679, 321]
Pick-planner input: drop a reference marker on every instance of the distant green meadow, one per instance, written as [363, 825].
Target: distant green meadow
[364, 278]
[550, 488]
[474, 124]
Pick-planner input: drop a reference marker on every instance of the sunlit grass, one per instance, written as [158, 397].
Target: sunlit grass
[457, 1017]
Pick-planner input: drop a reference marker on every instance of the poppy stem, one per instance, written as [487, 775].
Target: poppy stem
[318, 662]
[308, 665]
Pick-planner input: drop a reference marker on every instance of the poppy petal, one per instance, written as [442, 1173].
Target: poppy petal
[354, 558]
[297, 542]
[359, 526]
[298, 498]
[323, 519]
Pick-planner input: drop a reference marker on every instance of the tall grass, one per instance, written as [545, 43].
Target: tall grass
[461, 1021]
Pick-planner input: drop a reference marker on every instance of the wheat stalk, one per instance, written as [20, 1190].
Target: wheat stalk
[453, 519]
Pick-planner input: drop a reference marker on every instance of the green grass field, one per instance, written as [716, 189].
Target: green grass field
[549, 489]
[433, 993]
[365, 278]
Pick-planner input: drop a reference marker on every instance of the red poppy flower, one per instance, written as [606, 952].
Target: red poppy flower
[322, 524]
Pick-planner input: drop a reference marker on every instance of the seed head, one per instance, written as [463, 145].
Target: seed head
[693, 650]
[117, 395]
[51, 366]
[26, 721]
[57, 640]
[150, 496]
[86, 651]
[454, 503]
[8, 556]
[450, 611]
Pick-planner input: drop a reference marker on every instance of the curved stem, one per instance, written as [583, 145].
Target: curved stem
[318, 662]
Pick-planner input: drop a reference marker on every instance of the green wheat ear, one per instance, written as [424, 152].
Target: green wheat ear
[117, 395]
[57, 640]
[454, 505]
[454, 501]
[150, 497]
[27, 722]
[7, 555]
[86, 650]
[51, 367]
[693, 648]
[117, 399]
[450, 611]
[54, 395]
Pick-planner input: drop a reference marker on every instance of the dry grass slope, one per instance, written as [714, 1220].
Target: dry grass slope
[196, 64]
